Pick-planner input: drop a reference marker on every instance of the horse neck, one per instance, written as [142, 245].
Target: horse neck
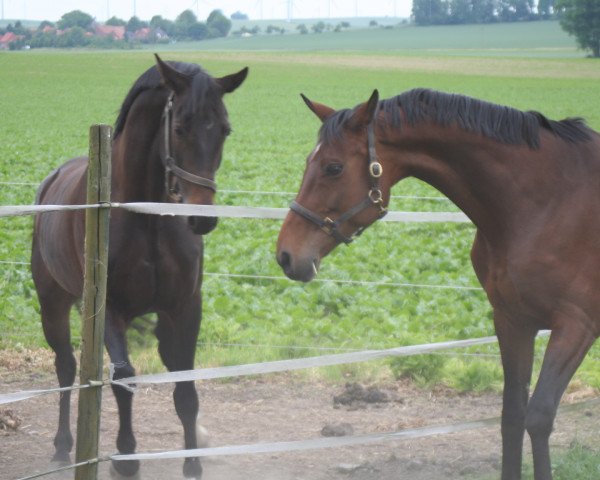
[475, 172]
[137, 171]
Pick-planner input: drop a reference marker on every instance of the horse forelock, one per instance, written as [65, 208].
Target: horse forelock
[333, 126]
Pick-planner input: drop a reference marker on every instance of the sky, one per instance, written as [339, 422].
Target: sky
[256, 9]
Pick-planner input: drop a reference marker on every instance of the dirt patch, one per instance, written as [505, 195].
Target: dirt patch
[282, 408]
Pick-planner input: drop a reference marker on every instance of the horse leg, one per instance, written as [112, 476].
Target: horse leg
[116, 344]
[55, 306]
[177, 333]
[516, 348]
[566, 349]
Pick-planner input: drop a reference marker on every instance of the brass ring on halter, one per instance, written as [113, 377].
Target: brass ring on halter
[375, 169]
[375, 195]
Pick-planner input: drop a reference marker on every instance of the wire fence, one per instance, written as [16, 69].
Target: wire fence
[265, 367]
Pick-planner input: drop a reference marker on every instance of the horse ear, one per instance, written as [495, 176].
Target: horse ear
[320, 110]
[364, 113]
[230, 82]
[172, 78]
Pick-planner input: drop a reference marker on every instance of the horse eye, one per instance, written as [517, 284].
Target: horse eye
[210, 125]
[334, 169]
[178, 131]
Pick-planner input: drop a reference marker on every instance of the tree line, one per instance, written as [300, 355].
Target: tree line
[77, 29]
[449, 12]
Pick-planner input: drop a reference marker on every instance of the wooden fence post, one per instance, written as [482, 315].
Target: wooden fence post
[94, 301]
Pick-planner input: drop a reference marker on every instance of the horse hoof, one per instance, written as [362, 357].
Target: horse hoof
[125, 470]
[202, 436]
[192, 468]
[61, 459]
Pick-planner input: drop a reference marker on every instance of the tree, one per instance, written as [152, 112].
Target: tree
[115, 22]
[45, 24]
[75, 37]
[581, 18]
[164, 24]
[187, 26]
[134, 24]
[545, 8]
[75, 18]
[239, 16]
[430, 12]
[318, 27]
[218, 24]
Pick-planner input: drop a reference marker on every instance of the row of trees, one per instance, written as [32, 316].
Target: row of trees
[447, 12]
[77, 29]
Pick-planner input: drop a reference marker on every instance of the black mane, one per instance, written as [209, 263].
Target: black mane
[505, 124]
[151, 79]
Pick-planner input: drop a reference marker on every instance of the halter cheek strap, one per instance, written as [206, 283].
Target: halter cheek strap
[172, 170]
[374, 198]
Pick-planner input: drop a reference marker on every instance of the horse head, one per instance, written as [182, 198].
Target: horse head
[195, 126]
[342, 191]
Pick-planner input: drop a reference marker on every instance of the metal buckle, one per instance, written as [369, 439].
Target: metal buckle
[328, 225]
[375, 169]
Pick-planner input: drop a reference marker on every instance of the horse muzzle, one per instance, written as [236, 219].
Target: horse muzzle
[303, 270]
[202, 225]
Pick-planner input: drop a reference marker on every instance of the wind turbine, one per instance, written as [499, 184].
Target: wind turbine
[260, 7]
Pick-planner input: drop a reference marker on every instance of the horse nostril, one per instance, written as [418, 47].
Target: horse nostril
[284, 260]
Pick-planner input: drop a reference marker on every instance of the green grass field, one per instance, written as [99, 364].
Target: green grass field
[516, 39]
[49, 99]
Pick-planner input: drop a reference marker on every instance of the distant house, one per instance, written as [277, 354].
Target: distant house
[7, 39]
[142, 35]
[147, 35]
[114, 32]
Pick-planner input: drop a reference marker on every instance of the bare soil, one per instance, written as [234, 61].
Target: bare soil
[281, 408]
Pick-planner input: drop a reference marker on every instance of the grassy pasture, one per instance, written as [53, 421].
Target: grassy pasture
[49, 99]
[521, 39]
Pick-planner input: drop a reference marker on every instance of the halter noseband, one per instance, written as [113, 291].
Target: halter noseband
[172, 169]
[374, 198]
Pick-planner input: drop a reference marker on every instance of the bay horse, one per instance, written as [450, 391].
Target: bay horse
[166, 147]
[530, 185]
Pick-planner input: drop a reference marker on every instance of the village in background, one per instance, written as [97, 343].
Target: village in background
[79, 29]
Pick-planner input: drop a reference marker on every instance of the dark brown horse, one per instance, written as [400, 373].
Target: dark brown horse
[530, 185]
[166, 147]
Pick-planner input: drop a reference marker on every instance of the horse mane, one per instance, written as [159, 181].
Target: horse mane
[151, 79]
[501, 123]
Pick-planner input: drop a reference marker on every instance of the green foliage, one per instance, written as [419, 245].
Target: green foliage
[75, 18]
[475, 376]
[579, 461]
[218, 24]
[115, 22]
[425, 370]
[134, 24]
[443, 12]
[581, 18]
[52, 98]
[166, 25]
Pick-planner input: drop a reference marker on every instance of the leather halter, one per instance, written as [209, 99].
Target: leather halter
[374, 198]
[172, 169]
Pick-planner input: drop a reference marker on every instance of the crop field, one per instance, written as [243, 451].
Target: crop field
[50, 98]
